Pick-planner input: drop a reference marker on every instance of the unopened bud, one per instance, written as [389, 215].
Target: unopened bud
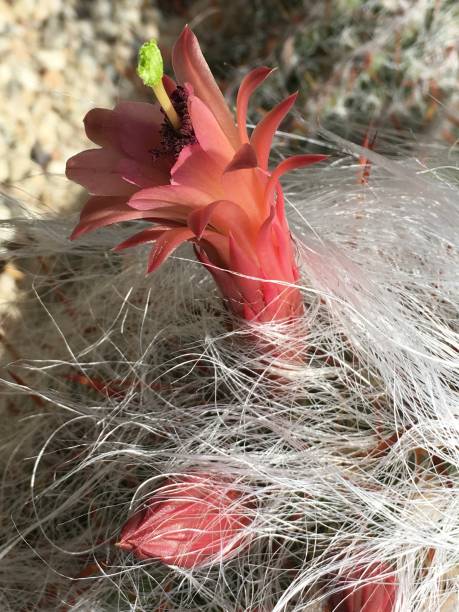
[371, 588]
[192, 521]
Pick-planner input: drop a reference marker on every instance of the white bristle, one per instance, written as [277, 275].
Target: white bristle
[291, 413]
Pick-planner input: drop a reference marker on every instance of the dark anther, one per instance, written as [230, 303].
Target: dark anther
[172, 140]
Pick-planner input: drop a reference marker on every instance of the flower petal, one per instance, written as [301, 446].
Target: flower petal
[244, 265]
[166, 244]
[224, 214]
[132, 128]
[99, 128]
[147, 199]
[142, 175]
[208, 132]
[291, 163]
[266, 249]
[97, 170]
[247, 188]
[100, 211]
[280, 208]
[197, 169]
[173, 216]
[131, 527]
[249, 84]
[289, 270]
[271, 292]
[147, 235]
[225, 281]
[263, 134]
[191, 67]
[244, 158]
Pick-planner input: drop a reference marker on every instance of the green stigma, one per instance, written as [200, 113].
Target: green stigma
[150, 65]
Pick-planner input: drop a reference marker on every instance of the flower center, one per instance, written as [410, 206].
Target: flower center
[173, 140]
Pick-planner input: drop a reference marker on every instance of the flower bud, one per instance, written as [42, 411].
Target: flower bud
[371, 588]
[190, 522]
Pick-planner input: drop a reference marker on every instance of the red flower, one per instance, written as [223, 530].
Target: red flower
[204, 181]
[370, 589]
[190, 522]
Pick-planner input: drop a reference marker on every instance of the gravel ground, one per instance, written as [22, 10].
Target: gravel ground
[58, 60]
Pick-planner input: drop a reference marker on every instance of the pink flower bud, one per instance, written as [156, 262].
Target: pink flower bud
[372, 588]
[190, 522]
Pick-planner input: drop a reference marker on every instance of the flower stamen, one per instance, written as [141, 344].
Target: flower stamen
[174, 140]
[150, 69]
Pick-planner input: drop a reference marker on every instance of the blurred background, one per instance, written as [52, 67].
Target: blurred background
[391, 64]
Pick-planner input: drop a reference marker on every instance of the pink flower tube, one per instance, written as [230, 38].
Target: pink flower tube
[204, 181]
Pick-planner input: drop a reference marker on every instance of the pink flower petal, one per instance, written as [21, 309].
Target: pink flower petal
[191, 67]
[244, 158]
[280, 209]
[287, 304]
[132, 128]
[271, 293]
[282, 301]
[131, 526]
[159, 206]
[173, 216]
[224, 214]
[142, 175]
[286, 258]
[263, 134]
[99, 127]
[247, 188]
[169, 194]
[166, 244]
[266, 250]
[100, 211]
[244, 265]
[197, 169]
[249, 84]
[274, 236]
[210, 257]
[366, 589]
[289, 164]
[184, 154]
[249, 314]
[228, 289]
[208, 132]
[97, 170]
[375, 598]
[189, 530]
[147, 235]
[217, 249]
